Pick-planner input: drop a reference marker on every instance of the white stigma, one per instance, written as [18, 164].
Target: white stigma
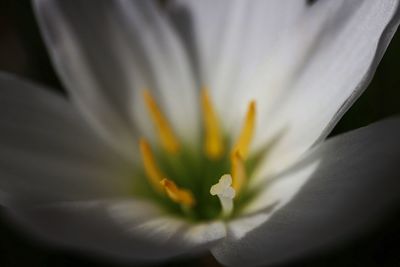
[225, 192]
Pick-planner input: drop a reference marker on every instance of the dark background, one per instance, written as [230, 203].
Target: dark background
[22, 52]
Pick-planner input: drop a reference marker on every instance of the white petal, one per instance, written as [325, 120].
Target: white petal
[48, 151]
[107, 52]
[126, 230]
[354, 187]
[230, 41]
[340, 67]
[303, 64]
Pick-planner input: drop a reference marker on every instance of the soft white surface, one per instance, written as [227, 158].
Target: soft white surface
[304, 65]
[317, 60]
[355, 185]
[62, 182]
[107, 52]
[47, 151]
[127, 230]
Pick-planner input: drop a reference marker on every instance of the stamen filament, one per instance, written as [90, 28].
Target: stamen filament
[153, 173]
[167, 137]
[225, 193]
[238, 171]
[243, 142]
[178, 195]
[213, 145]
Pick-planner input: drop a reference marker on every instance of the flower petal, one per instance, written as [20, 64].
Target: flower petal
[48, 151]
[126, 230]
[229, 42]
[354, 186]
[108, 52]
[305, 64]
[341, 66]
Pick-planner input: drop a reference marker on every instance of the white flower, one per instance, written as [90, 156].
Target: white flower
[167, 98]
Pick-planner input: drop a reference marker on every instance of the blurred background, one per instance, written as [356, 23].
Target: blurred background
[22, 51]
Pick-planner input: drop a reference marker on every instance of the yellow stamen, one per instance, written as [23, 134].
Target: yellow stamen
[166, 135]
[243, 142]
[181, 196]
[153, 173]
[213, 146]
[238, 171]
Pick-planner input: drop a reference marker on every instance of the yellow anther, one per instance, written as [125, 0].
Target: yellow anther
[238, 171]
[178, 195]
[243, 142]
[153, 173]
[213, 145]
[167, 137]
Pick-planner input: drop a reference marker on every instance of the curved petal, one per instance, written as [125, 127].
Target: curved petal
[354, 186]
[305, 64]
[126, 230]
[107, 52]
[230, 40]
[48, 151]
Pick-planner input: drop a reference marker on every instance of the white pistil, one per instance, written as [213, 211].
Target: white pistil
[225, 192]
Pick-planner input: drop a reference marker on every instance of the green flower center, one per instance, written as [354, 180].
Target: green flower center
[199, 184]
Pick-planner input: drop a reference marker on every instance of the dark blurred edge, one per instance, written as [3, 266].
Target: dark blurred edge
[22, 51]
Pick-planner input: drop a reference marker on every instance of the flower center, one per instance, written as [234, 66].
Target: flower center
[204, 184]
